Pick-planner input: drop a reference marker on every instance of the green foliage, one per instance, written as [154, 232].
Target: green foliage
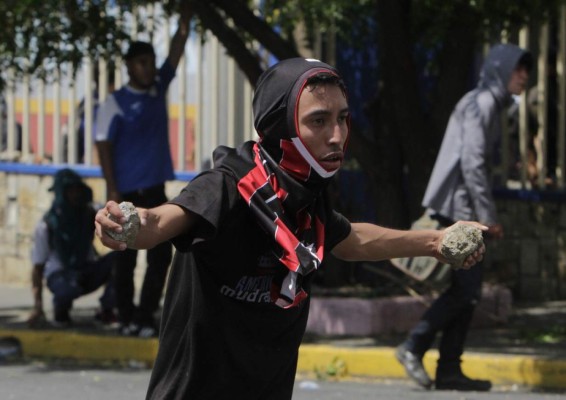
[40, 35]
[432, 19]
[321, 16]
[549, 335]
[336, 369]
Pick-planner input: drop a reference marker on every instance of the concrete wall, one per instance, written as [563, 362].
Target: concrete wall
[24, 198]
[530, 260]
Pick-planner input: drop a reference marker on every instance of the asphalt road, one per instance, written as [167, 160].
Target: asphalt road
[38, 381]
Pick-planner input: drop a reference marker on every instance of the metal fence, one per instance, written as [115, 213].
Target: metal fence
[210, 104]
[533, 144]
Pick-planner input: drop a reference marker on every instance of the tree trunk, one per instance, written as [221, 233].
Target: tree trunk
[400, 157]
[456, 68]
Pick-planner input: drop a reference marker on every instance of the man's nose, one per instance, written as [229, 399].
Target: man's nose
[337, 133]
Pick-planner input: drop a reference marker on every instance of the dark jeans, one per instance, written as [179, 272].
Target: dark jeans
[67, 286]
[158, 260]
[451, 314]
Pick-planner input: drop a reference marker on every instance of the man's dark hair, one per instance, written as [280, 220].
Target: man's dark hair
[325, 78]
[137, 49]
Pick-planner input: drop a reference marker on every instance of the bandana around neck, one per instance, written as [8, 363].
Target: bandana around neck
[287, 211]
[280, 180]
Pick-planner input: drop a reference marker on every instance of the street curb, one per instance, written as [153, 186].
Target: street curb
[323, 360]
[84, 347]
[381, 362]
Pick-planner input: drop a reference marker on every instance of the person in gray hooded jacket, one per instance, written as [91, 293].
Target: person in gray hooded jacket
[460, 187]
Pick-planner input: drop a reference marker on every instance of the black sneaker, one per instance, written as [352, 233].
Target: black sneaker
[461, 382]
[413, 366]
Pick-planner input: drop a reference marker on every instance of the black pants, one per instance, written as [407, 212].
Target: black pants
[158, 260]
[451, 314]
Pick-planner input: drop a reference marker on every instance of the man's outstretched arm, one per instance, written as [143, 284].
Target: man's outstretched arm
[177, 46]
[158, 225]
[368, 242]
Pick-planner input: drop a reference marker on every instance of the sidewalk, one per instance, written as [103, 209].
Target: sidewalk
[512, 354]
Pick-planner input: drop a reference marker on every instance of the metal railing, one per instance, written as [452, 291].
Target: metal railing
[209, 103]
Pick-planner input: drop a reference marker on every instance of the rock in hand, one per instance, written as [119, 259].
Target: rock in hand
[459, 242]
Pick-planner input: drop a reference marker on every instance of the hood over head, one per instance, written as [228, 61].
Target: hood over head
[65, 178]
[275, 108]
[498, 66]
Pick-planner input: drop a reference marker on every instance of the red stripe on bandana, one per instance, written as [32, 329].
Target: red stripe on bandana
[293, 162]
[300, 252]
[289, 242]
[249, 184]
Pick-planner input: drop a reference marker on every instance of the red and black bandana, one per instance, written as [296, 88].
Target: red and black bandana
[279, 179]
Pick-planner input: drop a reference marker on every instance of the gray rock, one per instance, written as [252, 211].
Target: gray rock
[130, 228]
[460, 241]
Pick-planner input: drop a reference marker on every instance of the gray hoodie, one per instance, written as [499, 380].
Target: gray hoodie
[460, 185]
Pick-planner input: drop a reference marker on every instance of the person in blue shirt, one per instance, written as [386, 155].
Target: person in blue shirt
[132, 137]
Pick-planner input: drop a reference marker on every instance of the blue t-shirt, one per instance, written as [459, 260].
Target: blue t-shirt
[136, 122]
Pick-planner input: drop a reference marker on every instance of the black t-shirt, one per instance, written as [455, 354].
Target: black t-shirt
[221, 337]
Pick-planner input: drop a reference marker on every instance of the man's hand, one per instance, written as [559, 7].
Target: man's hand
[103, 224]
[177, 45]
[461, 244]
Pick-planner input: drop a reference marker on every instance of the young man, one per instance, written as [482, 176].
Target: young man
[250, 234]
[132, 137]
[460, 188]
[63, 253]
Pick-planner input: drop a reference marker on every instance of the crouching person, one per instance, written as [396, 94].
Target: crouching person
[63, 254]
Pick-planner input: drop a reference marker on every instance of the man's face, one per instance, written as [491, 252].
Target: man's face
[322, 118]
[74, 194]
[142, 71]
[518, 81]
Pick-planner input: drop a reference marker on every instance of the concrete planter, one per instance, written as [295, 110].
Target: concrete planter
[362, 317]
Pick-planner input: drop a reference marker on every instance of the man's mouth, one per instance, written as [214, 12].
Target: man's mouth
[332, 161]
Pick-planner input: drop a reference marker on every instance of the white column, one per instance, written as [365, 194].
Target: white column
[231, 104]
[72, 154]
[182, 117]
[11, 117]
[41, 120]
[26, 155]
[542, 90]
[56, 118]
[199, 112]
[88, 112]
